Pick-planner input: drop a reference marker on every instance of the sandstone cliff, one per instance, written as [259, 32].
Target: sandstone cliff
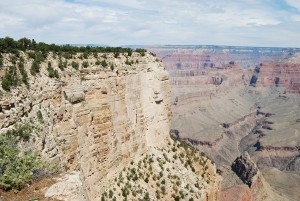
[95, 120]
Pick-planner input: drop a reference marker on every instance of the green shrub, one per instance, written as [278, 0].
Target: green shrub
[67, 55]
[163, 189]
[52, 73]
[82, 77]
[40, 116]
[35, 68]
[85, 64]
[85, 55]
[31, 54]
[22, 132]
[116, 54]
[153, 54]
[62, 64]
[23, 72]
[129, 52]
[13, 59]
[98, 62]
[39, 57]
[146, 197]
[111, 193]
[10, 78]
[75, 65]
[65, 95]
[6, 84]
[104, 63]
[141, 51]
[16, 168]
[9, 45]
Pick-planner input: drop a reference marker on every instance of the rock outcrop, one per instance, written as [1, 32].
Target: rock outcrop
[245, 168]
[68, 188]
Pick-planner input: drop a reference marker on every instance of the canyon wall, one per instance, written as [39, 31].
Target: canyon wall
[95, 120]
[281, 74]
[226, 101]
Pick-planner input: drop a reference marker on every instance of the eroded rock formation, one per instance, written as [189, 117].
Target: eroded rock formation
[255, 108]
[95, 120]
[245, 168]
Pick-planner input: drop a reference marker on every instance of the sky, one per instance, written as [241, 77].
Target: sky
[269, 23]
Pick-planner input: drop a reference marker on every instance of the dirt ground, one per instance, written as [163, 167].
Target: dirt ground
[34, 192]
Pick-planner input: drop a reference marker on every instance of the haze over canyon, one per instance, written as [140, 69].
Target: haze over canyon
[241, 106]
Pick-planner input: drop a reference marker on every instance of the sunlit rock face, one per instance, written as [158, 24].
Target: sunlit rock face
[93, 122]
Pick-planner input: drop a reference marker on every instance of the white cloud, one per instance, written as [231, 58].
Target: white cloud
[296, 18]
[294, 3]
[116, 22]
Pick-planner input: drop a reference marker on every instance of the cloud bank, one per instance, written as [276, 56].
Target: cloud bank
[190, 22]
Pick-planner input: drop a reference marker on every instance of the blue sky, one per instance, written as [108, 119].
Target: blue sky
[155, 22]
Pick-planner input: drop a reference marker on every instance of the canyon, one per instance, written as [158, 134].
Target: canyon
[99, 126]
[240, 104]
[189, 123]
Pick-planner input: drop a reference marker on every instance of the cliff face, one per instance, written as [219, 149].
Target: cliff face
[94, 120]
[119, 120]
[245, 168]
[279, 75]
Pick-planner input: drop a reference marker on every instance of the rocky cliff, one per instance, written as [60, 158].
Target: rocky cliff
[282, 74]
[94, 120]
[247, 170]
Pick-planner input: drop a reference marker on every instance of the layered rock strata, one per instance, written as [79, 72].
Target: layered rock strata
[225, 109]
[93, 120]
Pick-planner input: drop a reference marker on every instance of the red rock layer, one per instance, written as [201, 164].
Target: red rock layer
[285, 75]
[236, 193]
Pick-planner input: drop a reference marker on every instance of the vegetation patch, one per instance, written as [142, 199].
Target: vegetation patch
[15, 55]
[10, 78]
[16, 167]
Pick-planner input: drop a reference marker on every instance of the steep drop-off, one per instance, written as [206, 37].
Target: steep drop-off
[96, 120]
[225, 110]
